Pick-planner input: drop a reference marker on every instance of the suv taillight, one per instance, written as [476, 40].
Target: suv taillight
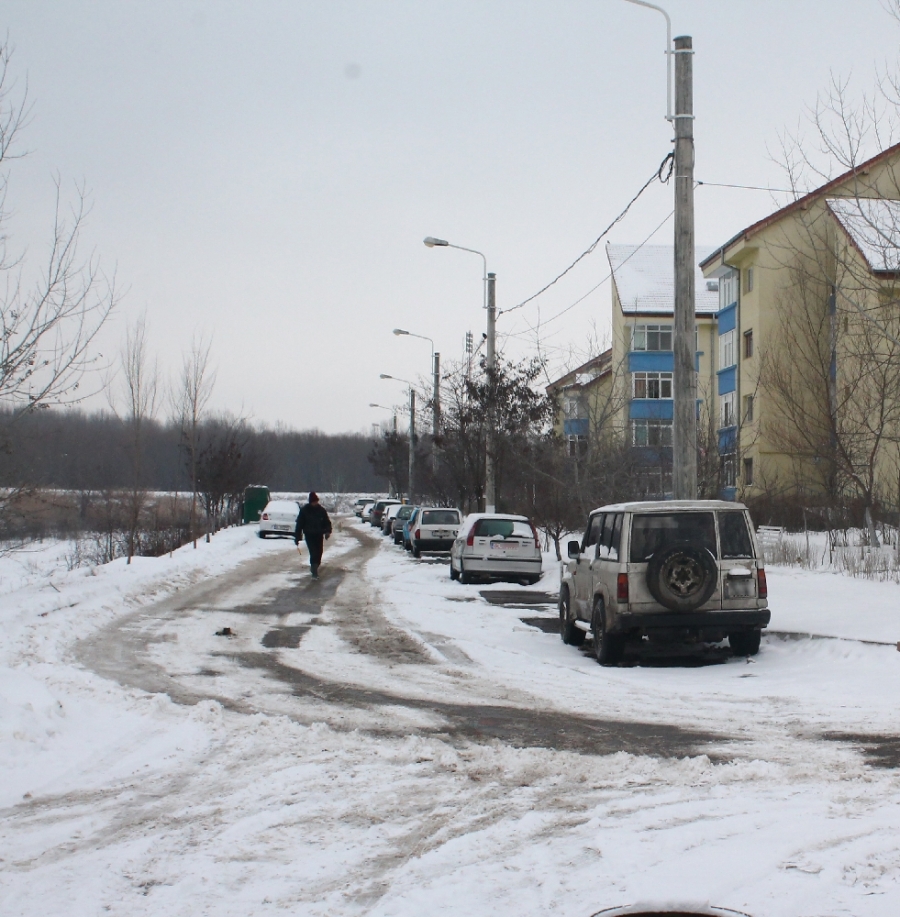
[622, 587]
[537, 543]
[761, 586]
[470, 539]
[265, 515]
[418, 534]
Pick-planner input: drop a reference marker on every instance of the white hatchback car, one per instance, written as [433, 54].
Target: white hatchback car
[279, 518]
[496, 546]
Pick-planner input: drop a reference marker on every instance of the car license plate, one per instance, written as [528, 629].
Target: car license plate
[442, 534]
[281, 528]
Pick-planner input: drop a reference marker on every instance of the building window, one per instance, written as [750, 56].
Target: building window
[651, 337]
[748, 280]
[572, 408]
[577, 445]
[647, 432]
[726, 415]
[748, 343]
[726, 349]
[728, 290]
[748, 472]
[727, 469]
[652, 385]
[748, 409]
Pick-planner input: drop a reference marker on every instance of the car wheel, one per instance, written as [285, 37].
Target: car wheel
[745, 642]
[568, 632]
[608, 648]
[454, 573]
[464, 577]
[682, 577]
[260, 534]
[416, 552]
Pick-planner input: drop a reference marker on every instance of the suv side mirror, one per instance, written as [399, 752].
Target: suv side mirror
[573, 548]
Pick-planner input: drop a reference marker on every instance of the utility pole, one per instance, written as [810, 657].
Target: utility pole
[436, 401]
[490, 501]
[412, 442]
[684, 427]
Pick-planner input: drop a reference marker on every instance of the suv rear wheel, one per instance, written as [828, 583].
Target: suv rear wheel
[608, 648]
[745, 642]
[570, 634]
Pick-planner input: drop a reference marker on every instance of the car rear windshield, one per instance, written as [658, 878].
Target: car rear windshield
[734, 536]
[405, 512]
[440, 517]
[502, 528]
[658, 531]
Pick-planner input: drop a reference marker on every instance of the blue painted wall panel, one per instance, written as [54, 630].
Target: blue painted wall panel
[651, 408]
[575, 427]
[654, 361]
[727, 319]
[727, 380]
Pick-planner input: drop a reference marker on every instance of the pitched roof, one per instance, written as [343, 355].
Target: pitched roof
[588, 372]
[801, 202]
[874, 226]
[645, 279]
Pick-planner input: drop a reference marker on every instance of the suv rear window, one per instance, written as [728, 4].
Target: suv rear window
[440, 517]
[733, 535]
[657, 531]
[502, 528]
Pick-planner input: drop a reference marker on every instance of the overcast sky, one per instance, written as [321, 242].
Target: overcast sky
[265, 172]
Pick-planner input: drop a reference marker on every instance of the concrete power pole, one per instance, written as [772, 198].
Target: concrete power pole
[684, 430]
[436, 411]
[412, 443]
[490, 499]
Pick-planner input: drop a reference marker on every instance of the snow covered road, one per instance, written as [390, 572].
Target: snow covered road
[387, 742]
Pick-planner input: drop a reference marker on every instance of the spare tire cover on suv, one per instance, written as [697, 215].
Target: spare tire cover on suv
[682, 577]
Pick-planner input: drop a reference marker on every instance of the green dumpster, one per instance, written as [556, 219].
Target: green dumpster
[255, 499]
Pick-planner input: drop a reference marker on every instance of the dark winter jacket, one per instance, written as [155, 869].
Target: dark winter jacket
[313, 520]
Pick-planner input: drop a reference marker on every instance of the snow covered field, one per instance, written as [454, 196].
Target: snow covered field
[387, 742]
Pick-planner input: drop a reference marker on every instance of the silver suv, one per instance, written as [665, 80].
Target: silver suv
[677, 571]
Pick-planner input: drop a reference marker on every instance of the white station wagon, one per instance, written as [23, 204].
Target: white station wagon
[496, 546]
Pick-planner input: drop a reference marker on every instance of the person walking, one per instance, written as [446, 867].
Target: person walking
[314, 526]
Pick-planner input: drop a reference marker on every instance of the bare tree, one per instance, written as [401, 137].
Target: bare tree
[139, 396]
[190, 398]
[51, 308]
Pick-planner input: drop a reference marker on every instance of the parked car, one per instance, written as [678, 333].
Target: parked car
[403, 513]
[279, 517]
[496, 546]
[365, 513]
[359, 504]
[407, 528]
[387, 517]
[434, 531]
[378, 509]
[676, 571]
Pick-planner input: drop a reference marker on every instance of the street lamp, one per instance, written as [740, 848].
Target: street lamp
[412, 429]
[490, 361]
[436, 371]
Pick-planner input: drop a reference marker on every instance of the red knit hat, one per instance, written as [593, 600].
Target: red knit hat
[313, 497]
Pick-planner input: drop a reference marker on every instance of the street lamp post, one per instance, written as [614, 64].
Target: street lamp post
[490, 304]
[412, 432]
[436, 382]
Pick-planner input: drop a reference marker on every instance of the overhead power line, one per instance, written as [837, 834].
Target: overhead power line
[656, 176]
[715, 184]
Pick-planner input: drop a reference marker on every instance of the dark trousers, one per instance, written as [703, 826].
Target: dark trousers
[315, 543]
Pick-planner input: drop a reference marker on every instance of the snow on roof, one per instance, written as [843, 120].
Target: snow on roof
[645, 279]
[874, 225]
